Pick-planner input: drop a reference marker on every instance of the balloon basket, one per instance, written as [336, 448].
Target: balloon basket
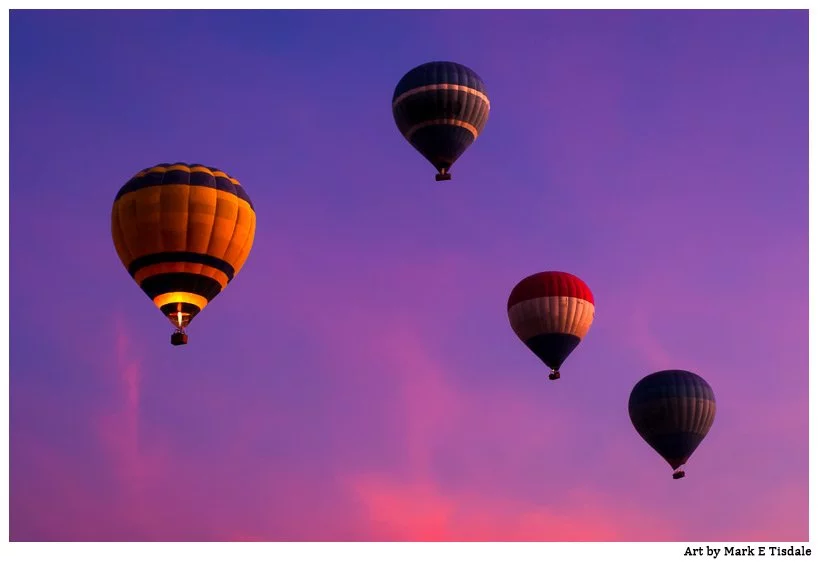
[178, 338]
[554, 376]
[679, 475]
[443, 176]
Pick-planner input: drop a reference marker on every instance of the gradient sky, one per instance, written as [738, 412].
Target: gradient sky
[359, 379]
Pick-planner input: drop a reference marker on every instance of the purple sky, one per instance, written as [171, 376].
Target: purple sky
[359, 379]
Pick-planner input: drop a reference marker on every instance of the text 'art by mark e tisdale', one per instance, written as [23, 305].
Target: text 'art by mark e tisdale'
[749, 551]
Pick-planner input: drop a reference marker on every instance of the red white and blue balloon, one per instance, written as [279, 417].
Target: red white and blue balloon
[551, 312]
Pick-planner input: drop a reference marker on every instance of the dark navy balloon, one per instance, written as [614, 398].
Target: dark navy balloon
[673, 411]
[441, 108]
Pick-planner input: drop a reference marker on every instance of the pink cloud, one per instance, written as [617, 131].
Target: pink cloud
[432, 415]
[118, 425]
[151, 493]
[420, 511]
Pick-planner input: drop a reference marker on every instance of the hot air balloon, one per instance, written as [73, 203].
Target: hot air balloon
[182, 232]
[551, 312]
[672, 411]
[441, 108]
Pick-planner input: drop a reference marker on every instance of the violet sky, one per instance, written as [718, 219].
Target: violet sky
[359, 379]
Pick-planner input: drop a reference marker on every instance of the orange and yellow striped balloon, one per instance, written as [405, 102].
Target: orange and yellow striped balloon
[182, 232]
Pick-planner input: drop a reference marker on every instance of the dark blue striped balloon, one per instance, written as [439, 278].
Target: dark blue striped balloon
[441, 108]
[672, 411]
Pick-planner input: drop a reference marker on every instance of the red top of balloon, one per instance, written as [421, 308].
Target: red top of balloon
[550, 283]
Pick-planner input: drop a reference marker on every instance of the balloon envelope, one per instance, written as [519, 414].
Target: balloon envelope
[441, 108]
[551, 312]
[182, 232]
[673, 411]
